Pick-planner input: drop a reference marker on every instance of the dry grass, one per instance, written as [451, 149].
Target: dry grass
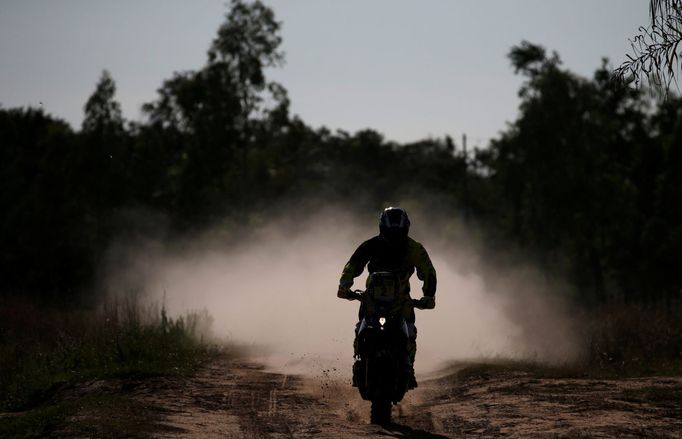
[620, 341]
[44, 349]
[635, 340]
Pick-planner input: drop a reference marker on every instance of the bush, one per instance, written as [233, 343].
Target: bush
[42, 349]
[636, 340]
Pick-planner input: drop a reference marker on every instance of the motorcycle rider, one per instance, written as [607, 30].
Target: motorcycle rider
[392, 250]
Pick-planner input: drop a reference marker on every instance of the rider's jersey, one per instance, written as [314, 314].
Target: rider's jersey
[404, 258]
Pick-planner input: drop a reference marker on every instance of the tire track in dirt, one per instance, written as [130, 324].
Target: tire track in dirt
[520, 405]
[236, 398]
[241, 399]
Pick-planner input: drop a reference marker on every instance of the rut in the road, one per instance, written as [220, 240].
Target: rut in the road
[238, 398]
[235, 398]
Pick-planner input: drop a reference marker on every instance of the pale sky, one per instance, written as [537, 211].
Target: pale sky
[409, 69]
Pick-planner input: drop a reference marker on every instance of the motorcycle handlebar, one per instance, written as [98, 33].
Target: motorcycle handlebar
[360, 293]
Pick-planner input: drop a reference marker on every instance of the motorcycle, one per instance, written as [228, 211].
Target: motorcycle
[382, 369]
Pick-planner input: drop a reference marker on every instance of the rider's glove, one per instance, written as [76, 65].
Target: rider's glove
[426, 302]
[345, 293]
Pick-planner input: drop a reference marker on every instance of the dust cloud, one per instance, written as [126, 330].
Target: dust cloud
[276, 289]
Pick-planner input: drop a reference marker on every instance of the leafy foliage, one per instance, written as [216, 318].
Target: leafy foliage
[102, 112]
[586, 179]
[655, 48]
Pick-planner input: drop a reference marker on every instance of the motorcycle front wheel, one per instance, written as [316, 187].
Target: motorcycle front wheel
[381, 412]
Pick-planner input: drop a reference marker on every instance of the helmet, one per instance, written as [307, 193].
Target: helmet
[394, 223]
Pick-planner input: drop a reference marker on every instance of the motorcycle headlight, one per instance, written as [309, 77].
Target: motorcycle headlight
[382, 320]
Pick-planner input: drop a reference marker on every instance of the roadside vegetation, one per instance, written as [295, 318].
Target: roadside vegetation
[628, 340]
[618, 341]
[45, 352]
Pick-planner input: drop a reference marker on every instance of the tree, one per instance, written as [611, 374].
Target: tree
[219, 109]
[43, 250]
[663, 233]
[102, 112]
[564, 170]
[656, 56]
[104, 153]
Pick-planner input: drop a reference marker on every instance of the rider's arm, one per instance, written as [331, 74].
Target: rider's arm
[425, 271]
[355, 265]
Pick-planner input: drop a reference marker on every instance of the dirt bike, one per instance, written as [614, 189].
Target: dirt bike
[382, 368]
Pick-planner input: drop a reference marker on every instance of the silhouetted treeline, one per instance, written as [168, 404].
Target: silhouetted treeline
[588, 179]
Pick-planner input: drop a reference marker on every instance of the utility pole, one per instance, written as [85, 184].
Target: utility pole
[465, 177]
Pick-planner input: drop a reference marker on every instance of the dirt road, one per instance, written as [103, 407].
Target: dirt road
[235, 397]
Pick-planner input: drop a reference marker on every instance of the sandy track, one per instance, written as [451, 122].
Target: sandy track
[237, 397]
[516, 404]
